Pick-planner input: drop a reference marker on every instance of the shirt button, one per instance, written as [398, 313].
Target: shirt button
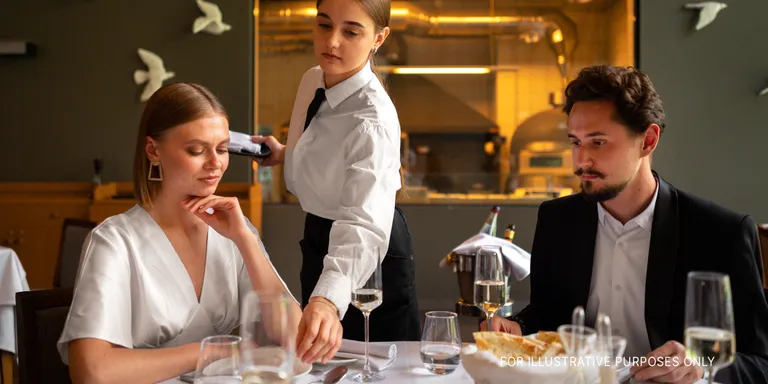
[617, 287]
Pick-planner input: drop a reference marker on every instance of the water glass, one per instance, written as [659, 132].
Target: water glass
[441, 343]
[219, 361]
[268, 353]
[578, 340]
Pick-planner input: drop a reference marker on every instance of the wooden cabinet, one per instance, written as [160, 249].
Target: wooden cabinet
[31, 219]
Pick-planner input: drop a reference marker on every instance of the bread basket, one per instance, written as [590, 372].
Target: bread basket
[487, 367]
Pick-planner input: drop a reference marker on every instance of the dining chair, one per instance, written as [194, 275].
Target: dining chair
[41, 315]
[73, 235]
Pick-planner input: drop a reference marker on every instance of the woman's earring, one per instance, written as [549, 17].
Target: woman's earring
[374, 50]
[155, 171]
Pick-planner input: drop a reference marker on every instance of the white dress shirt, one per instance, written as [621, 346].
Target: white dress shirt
[345, 167]
[618, 276]
[132, 289]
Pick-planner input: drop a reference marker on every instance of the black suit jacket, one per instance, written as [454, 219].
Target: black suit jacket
[688, 234]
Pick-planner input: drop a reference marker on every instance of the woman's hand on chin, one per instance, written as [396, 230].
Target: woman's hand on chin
[223, 214]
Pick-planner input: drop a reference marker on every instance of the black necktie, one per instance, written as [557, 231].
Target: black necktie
[314, 106]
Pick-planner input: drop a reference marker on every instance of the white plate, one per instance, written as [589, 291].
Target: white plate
[344, 358]
[301, 368]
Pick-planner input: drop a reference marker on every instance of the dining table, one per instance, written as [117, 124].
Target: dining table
[407, 368]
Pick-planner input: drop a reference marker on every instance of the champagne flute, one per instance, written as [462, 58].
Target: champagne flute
[710, 338]
[219, 361]
[490, 289]
[367, 296]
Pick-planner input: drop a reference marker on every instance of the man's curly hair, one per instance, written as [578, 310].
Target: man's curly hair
[629, 89]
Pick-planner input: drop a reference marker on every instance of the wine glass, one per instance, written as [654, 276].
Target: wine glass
[219, 361]
[441, 342]
[367, 295]
[490, 289]
[268, 353]
[710, 338]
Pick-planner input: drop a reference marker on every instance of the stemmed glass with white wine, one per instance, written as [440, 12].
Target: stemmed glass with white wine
[710, 339]
[490, 289]
[366, 298]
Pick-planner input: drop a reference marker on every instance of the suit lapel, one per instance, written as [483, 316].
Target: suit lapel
[662, 257]
[584, 250]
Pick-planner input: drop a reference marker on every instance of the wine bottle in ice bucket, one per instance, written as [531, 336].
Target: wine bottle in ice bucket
[489, 226]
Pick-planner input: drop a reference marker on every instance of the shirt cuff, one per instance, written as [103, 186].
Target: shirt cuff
[335, 287]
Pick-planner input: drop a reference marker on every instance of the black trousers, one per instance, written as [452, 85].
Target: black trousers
[397, 319]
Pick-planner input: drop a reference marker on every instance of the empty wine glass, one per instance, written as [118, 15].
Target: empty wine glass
[441, 342]
[710, 339]
[490, 288]
[367, 296]
[219, 361]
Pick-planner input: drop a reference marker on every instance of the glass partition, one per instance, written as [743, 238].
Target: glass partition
[478, 86]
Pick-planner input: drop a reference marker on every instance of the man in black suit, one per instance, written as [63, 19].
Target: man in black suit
[624, 245]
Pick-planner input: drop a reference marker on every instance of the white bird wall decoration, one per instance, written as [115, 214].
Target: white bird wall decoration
[763, 92]
[212, 21]
[707, 12]
[154, 76]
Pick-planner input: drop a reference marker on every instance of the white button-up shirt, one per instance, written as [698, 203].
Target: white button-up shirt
[346, 167]
[618, 276]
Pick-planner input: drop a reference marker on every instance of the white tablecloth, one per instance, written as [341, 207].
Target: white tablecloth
[406, 369]
[13, 279]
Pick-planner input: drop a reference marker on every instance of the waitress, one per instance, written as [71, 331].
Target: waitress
[342, 161]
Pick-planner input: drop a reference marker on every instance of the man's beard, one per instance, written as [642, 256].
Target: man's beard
[603, 194]
[599, 195]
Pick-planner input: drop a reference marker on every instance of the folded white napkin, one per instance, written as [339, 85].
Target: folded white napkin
[381, 356]
[517, 262]
[241, 143]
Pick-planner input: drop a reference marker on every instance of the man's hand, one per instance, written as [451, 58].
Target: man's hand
[501, 324]
[668, 364]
